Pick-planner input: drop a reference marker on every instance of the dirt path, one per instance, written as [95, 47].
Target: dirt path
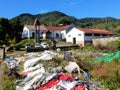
[1, 68]
[1, 73]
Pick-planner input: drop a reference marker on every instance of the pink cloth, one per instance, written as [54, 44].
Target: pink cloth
[24, 74]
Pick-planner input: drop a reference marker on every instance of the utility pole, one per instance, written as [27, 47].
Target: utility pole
[37, 31]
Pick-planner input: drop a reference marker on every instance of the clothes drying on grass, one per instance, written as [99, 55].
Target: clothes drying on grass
[13, 72]
[33, 67]
[50, 84]
[72, 66]
[86, 75]
[24, 74]
[12, 66]
[108, 58]
[34, 61]
[68, 85]
[78, 87]
[52, 81]
[32, 74]
[63, 76]
[56, 80]
[31, 82]
[55, 69]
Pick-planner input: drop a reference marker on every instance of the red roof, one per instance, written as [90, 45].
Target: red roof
[95, 31]
[59, 28]
[50, 28]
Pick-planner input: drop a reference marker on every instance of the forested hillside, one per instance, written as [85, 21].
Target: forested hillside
[12, 29]
[56, 18]
[52, 18]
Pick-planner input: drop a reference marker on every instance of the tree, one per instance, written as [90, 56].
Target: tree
[16, 29]
[4, 30]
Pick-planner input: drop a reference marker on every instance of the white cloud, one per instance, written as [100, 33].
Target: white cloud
[43, 11]
[73, 3]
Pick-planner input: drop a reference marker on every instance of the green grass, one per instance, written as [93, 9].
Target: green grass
[8, 82]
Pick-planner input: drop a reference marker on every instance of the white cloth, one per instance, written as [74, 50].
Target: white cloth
[28, 84]
[38, 71]
[33, 68]
[32, 74]
[67, 84]
[30, 62]
[72, 66]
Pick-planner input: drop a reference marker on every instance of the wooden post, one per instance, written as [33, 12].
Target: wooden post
[4, 52]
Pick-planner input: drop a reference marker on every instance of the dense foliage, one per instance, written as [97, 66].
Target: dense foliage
[11, 30]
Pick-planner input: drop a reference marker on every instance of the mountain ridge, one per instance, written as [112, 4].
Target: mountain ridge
[55, 18]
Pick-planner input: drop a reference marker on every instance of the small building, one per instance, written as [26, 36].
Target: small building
[82, 36]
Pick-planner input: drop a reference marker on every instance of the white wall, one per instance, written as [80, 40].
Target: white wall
[25, 33]
[74, 33]
[63, 34]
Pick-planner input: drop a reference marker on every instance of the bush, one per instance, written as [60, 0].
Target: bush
[23, 42]
[1, 42]
[114, 45]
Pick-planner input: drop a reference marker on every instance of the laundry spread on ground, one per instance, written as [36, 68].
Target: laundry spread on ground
[107, 58]
[36, 77]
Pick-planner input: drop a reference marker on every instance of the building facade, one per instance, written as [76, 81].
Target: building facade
[71, 33]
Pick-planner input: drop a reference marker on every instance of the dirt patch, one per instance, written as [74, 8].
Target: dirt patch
[102, 69]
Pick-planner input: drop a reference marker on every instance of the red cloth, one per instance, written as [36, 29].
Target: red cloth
[53, 82]
[63, 76]
[79, 87]
[50, 84]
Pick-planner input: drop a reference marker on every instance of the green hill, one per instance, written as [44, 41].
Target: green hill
[51, 18]
[55, 18]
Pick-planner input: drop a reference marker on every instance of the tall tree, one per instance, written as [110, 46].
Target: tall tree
[16, 29]
[4, 30]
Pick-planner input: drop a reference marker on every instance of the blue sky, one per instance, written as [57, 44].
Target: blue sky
[76, 8]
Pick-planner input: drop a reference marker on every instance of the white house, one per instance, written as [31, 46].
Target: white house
[84, 35]
[71, 33]
[44, 31]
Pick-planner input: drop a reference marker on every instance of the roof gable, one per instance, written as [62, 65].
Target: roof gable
[30, 27]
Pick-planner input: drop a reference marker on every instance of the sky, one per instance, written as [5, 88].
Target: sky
[76, 8]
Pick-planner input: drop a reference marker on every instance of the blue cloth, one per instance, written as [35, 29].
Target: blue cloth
[86, 75]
